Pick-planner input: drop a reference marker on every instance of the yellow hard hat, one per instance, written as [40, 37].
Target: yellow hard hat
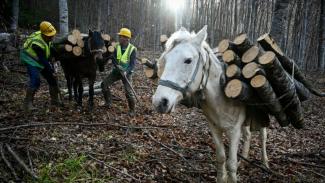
[47, 29]
[125, 32]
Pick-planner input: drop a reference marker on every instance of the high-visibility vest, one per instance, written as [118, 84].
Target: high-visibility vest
[35, 38]
[124, 59]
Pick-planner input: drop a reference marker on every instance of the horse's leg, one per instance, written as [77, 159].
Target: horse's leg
[247, 140]
[220, 153]
[91, 94]
[263, 138]
[80, 92]
[69, 85]
[75, 89]
[232, 164]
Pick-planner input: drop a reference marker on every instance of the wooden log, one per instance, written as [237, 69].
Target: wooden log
[225, 45]
[76, 33]
[284, 88]
[233, 72]
[251, 55]
[106, 37]
[302, 92]
[110, 49]
[242, 44]
[150, 73]
[268, 44]
[163, 38]
[148, 63]
[230, 57]
[72, 39]
[76, 50]
[80, 43]
[68, 47]
[236, 89]
[113, 43]
[269, 98]
[104, 49]
[252, 69]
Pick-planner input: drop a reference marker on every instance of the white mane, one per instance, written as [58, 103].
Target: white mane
[183, 35]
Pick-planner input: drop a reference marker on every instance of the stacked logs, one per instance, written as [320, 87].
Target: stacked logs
[265, 78]
[73, 44]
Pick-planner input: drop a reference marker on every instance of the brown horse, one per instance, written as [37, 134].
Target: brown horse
[77, 68]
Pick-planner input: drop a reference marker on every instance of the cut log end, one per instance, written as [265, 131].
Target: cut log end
[268, 40]
[250, 55]
[68, 47]
[163, 38]
[240, 39]
[106, 37]
[233, 71]
[228, 56]
[223, 45]
[150, 73]
[250, 70]
[233, 88]
[258, 81]
[113, 44]
[76, 50]
[111, 49]
[72, 39]
[267, 58]
[80, 43]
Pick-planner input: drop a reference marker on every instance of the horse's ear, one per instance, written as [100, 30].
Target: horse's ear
[90, 33]
[200, 36]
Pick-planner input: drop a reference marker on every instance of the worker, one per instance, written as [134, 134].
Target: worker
[35, 55]
[124, 60]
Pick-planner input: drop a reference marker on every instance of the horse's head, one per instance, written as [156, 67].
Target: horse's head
[95, 45]
[182, 63]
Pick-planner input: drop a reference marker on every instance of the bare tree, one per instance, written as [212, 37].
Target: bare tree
[15, 14]
[64, 23]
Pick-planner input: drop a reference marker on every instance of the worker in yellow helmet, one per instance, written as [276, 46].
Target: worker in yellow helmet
[125, 59]
[35, 55]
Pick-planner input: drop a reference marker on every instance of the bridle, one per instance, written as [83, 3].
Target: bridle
[92, 51]
[185, 90]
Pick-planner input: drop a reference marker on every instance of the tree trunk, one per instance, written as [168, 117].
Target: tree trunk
[279, 21]
[236, 89]
[14, 16]
[252, 69]
[64, 23]
[251, 55]
[284, 88]
[242, 44]
[321, 53]
[230, 57]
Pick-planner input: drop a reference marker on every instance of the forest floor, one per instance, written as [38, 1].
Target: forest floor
[66, 145]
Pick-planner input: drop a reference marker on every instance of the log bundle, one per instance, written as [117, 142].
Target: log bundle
[72, 45]
[265, 78]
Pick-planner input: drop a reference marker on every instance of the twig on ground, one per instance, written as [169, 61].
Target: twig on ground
[33, 125]
[8, 163]
[115, 169]
[305, 164]
[21, 162]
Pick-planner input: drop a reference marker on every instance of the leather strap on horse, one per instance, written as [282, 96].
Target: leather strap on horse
[175, 86]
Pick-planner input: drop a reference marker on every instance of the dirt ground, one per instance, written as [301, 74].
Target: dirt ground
[66, 145]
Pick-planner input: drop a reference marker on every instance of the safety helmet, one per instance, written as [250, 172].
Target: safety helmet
[125, 32]
[47, 29]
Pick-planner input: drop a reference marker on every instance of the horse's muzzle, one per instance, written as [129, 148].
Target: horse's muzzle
[163, 106]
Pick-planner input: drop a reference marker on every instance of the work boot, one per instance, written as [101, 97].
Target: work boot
[54, 94]
[28, 101]
[108, 98]
[131, 112]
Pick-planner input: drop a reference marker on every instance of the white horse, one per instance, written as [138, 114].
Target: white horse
[190, 69]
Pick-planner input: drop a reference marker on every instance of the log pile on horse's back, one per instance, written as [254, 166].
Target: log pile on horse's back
[189, 70]
[84, 66]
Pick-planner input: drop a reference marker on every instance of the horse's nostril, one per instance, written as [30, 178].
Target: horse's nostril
[164, 102]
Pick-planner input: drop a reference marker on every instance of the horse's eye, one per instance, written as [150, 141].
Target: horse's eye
[188, 61]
